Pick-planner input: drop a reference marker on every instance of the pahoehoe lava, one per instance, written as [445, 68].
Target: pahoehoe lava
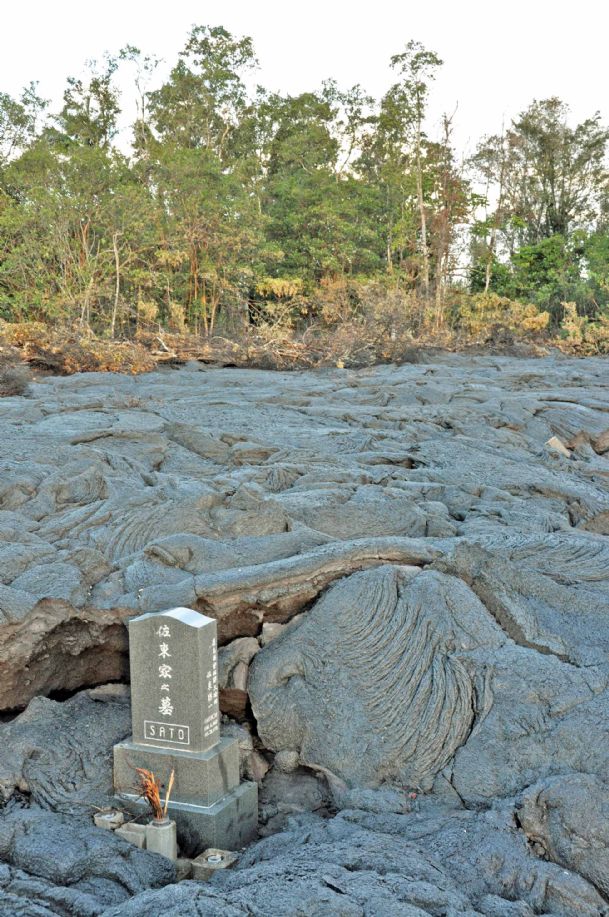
[411, 585]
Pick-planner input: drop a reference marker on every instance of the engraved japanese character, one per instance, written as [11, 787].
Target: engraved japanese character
[163, 631]
[165, 671]
[164, 651]
[164, 687]
[166, 707]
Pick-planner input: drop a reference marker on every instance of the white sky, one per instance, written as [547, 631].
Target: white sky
[498, 56]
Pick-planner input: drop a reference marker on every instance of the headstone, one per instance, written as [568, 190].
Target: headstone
[173, 658]
[176, 728]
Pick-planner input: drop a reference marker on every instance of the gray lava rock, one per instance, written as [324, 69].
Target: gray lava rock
[60, 754]
[566, 819]
[441, 861]
[73, 868]
[376, 664]
[441, 580]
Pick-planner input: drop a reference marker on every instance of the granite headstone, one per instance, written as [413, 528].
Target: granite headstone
[173, 659]
[176, 729]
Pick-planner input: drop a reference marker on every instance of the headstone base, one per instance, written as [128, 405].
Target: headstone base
[201, 778]
[228, 824]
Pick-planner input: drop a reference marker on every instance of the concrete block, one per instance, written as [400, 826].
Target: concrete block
[111, 819]
[135, 834]
[183, 869]
[211, 861]
[161, 837]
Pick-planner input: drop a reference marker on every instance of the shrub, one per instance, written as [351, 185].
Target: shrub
[65, 351]
[486, 314]
[582, 334]
[14, 375]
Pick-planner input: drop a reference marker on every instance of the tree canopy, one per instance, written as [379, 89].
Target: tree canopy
[229, 190]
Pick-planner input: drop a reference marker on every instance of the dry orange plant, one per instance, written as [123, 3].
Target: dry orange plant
[151, 791]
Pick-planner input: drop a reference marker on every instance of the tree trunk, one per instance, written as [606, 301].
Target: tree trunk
[489, 262]
[215, 302]
[389, 258]
[117, 267]
[204, 308]
[85, 314]
[497, 219]
[422, 215]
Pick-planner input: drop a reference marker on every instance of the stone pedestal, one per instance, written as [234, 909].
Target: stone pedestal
[201, 778]
[175, 717]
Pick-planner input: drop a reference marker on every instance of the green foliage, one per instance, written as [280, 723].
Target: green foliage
[240, 207]
[596, 266]
[547, 272]
[91, 108]
[542, 239]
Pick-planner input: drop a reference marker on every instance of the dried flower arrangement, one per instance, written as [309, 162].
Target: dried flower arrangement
[150, 788]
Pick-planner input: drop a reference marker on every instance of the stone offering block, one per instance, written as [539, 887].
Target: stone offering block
[134, 834]
[161, 837]
[174, 680]
[211, 861]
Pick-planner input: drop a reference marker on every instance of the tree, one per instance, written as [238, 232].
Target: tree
[404, 166]
[556, 173]
[228, 192]
[201, 103]
[547, 181]
[315, 207]
[452, 201]
[546, 177]
[596, 265]
[19, 121]
[491, 165]
[210, 225]
[91, 107]
[417, 67]
[548, 272]
[145, 68]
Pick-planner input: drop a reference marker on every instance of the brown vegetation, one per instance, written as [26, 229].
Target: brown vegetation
[14, 374]
[150, 790]
[583, 336]
[64, 351]
[345, 325]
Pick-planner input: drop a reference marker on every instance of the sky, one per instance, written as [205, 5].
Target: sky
[497, 57]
